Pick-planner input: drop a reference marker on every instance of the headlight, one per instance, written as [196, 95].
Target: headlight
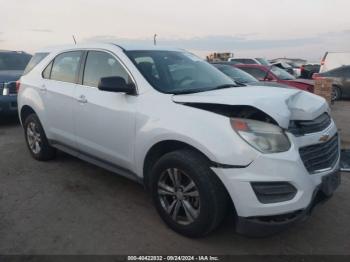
[265, 137]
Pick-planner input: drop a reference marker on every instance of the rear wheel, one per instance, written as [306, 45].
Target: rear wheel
[187, 194]
[37, 142]
[336, 93]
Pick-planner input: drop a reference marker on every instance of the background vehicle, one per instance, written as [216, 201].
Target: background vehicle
[241, 77]
[296, 64]
[276, 74]
[12, 64]
[309, 69]
[256, 61]
[333, 60]
[201, 144]
[285, 66]
[341, 81]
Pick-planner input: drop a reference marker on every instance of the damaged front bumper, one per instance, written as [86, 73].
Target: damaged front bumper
[268, 225]
[277, 190]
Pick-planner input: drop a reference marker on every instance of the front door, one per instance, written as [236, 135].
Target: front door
[105, 121]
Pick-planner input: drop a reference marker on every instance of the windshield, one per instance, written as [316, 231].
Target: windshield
[13, 61]
[281, 74]
[176, 72]
[236, 74]
[263, 61]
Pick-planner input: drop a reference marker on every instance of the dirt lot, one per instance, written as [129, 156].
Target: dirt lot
[67, 206]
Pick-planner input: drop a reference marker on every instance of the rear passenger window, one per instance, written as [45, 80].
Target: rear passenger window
[66, 66]
[101, 64]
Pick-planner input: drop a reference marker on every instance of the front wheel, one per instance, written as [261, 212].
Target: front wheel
[187, 193]
[37, 142]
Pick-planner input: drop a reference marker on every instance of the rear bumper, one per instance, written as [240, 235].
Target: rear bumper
[268, 225]
[8, 104]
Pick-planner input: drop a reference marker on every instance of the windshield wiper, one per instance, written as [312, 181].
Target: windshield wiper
[240, 83]
[199, 90]
[184, 92]
[224, 86]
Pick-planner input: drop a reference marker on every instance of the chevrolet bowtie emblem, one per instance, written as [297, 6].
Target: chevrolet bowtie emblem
[324, 138]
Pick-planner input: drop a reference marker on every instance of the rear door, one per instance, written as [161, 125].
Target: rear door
[58, 89]
[105, 121]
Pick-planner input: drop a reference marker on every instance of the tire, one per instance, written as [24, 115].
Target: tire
[36, 140]
[207, 197]
[336, 93]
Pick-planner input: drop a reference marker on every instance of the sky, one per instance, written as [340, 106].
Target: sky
[248, 28]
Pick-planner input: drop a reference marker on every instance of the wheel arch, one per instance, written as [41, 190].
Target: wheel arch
[167, 146]
[161, 148]
[25, 112]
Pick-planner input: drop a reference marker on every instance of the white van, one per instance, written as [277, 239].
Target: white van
[333, 60]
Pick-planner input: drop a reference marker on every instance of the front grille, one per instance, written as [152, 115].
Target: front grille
[302, 127]
[320, 156]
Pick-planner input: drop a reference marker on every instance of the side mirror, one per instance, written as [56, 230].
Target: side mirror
[116, 84]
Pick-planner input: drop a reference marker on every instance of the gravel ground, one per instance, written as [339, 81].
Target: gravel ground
[67, 206]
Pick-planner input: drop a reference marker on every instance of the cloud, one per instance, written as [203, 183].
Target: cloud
[212, 42]
[38, 30]
[311, 47]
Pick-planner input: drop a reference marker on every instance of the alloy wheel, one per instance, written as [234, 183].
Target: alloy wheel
[33, 138]
[179, 196]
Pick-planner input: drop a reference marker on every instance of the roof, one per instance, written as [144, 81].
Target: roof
[254, 66]
[106, 45]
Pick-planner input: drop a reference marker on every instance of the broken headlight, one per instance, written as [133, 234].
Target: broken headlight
[265, 137]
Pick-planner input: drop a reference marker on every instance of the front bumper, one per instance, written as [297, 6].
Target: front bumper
[269, 225]
[8, 104]
[280, 167]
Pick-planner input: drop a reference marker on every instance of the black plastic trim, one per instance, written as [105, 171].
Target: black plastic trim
[264, 226]
[96, 160]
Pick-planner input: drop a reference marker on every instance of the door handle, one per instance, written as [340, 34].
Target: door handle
[42, 88]
[82, 99]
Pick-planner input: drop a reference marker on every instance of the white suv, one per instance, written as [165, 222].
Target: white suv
[199, 142]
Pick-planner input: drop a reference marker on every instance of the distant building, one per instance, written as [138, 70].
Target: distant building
[216, 57]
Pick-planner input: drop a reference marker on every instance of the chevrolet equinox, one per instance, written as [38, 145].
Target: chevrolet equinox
[199, 142]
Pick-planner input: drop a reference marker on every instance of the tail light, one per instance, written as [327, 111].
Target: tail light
[18, 85]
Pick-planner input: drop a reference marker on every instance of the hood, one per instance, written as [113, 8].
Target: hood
[282, 104]
[10, 75]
